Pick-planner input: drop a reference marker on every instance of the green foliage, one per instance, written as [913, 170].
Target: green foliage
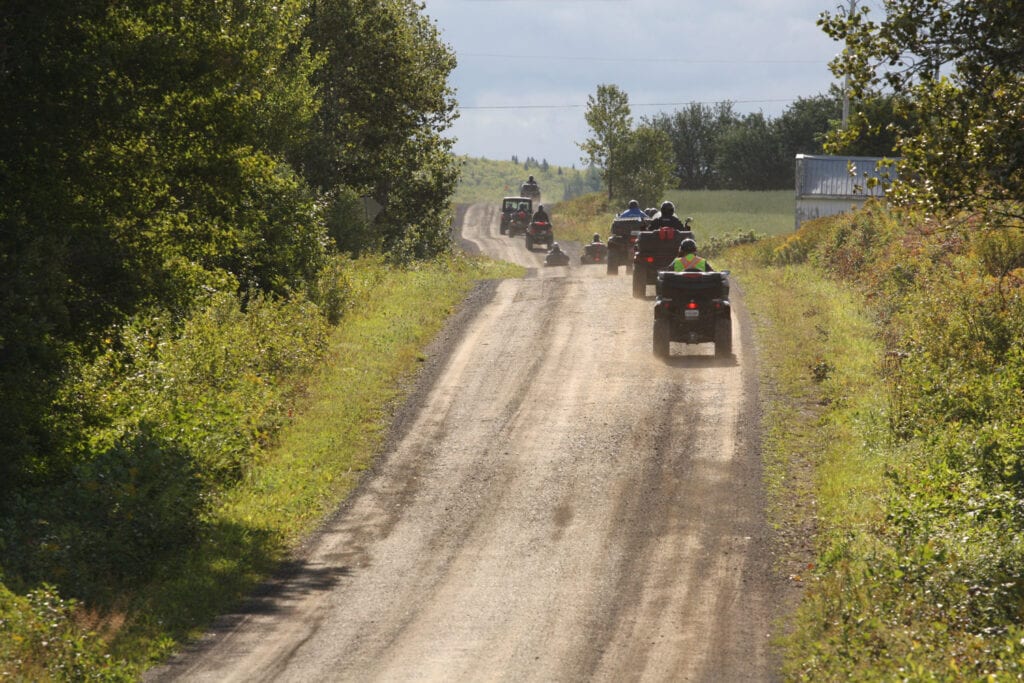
[610, 121]
[40, 641]
[957, 74]
[643, 168]
[487, 180]
[750, 157]
[928, 589]
[384, 103]
[694, 133]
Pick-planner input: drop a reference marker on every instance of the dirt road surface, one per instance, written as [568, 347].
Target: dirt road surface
[556, 505]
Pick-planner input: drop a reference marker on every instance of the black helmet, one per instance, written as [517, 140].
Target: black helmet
[687, 246]
[634, 204]
[597, 237]
[530, 179]
[540, 208]
[668, 209]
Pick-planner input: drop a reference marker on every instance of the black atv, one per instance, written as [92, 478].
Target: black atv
[531, 190]
[692, 308]
[539, 232]
[595, 252]
[653, 251]
[556, 258]
[620, 243]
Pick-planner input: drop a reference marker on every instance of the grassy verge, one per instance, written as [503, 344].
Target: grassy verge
[819, 355]
[894, 369]
[319, 456]
[330, 427]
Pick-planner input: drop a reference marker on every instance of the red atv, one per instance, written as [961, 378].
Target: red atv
[539, 232]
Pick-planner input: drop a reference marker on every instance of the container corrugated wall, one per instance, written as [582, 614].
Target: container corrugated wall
[827, 185]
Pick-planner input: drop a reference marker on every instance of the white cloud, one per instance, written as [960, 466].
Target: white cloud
[760, 54]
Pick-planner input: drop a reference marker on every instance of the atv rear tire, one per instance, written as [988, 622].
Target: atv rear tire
[639, 282]
[723, 337]
[613, 263]
[662, 337]
[529, 243]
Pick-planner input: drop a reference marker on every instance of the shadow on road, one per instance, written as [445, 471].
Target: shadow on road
[687, 361]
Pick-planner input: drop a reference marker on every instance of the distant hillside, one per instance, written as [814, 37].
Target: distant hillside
[486, 179]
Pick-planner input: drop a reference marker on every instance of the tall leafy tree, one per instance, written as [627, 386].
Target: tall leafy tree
[695, 132]
[643, 170]
[957, 72]
[385, 104]
[749, 156]
[610, 121]
[143, 164]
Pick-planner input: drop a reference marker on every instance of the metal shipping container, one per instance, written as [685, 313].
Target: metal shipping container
[827, 185]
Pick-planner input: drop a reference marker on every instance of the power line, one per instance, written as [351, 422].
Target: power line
[675, 60]
[631, 104]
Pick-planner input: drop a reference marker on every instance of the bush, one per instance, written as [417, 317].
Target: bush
[39, 641]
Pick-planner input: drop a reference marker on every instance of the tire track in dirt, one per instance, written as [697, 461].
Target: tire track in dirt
[556, 504]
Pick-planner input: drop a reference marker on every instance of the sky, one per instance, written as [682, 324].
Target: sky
[526, 67]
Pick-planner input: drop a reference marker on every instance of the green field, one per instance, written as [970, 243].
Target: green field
[720, 212]
[715, 213]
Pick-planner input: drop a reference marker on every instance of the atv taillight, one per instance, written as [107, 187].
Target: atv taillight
[650, 259]
[692, 305]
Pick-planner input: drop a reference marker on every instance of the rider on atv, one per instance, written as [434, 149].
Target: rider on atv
[667, 219]
[634, 211]
[556, 257]
[595, 252]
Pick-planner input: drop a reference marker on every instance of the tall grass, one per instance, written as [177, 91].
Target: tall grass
[908, 436]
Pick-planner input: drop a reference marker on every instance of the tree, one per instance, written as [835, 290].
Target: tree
[695, 133]
[957, 73]
[384, 105]
[644, 167]
[143, 161]
[610, 120]
[802, 127]
[749, 157]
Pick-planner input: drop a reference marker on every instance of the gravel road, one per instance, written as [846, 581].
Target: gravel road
[556, 504]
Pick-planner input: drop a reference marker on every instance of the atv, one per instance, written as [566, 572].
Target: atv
[539, 232]
[556, 257]
[595, 252]
[515, 215]
[620, 243]
[531, 190]
[692, 308]
[655, 250]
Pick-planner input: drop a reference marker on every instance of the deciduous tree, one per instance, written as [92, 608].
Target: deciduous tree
[957, 72]
[610, 120]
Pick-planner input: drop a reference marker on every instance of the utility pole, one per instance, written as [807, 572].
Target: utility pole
[846, 83]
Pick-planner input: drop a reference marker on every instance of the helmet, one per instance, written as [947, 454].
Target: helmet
[540, 208]
[555, 247]
[687, 246]
[634, 204]
[530, 179]
[597, 237]
[668, 209]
